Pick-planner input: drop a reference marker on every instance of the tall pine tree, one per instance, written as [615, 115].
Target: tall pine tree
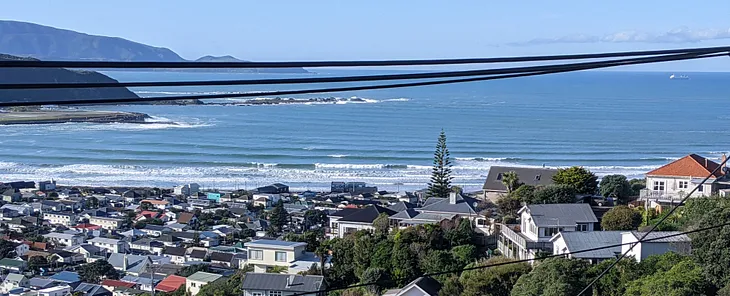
[440, 185]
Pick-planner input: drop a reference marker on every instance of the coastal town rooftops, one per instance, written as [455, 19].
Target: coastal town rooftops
[175, 251]
[66, 277]
[553, 215]
[198, 254]
[103, 240]
[691, 165]
[401, 205]
[584, 240]
[204, 277]
[455, 203]
[117, 283]
[367, 214]
[222, 257]
[274, 244]
[344, 212]
[282, 282]
[155, 202]
[184, 218]
[527, 175]
[170, 283]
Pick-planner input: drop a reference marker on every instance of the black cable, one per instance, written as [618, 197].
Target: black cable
[525, 260]
[361, 78]
[556, 69]
[315, 64]
[631, 247]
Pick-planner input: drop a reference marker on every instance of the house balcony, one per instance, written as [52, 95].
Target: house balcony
[519, 239]
[660, 196]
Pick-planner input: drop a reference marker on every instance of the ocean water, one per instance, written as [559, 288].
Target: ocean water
[610, 122]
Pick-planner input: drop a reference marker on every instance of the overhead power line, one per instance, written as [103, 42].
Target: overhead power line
[643, 237]
[315, 64]
[360, 78]
[548, 70]
[524, 260]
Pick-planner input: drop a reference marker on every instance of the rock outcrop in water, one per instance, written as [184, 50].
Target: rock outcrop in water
[49, 43]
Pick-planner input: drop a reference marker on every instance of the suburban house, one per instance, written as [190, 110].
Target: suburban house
[187, 218]
[143, 245]
[187, 189]
[64, 239]
[360, 219]
[567, 242]
[66, 257]
[169, 240]
[87, 289]
[89, 252]
[199, 279]
[12, 265]
[107, 223]
[155, 230]
[264, 284]
[131, 264]
[494, 188]
[538, 224]
[54, 291]
[176, 254]
[159, 204]
[171, 283]
[66, 277]
[65, 219]
[422, 286]
[21, 248]
[672, 181]
[437, 209]
[333, 221]
[113, 285]
[109, 244]
[276, 188]
[197, 255]
[151, 215]
[14, 281]
[265, 254]
[223, 259]
[656, 245]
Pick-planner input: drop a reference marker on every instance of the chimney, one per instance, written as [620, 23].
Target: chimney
[124, 264]
[452, 198]
[289, 280]
[724, 158]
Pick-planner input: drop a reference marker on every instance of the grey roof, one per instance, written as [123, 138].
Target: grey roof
[367, 214]
[175, 251]
[14, 277]
[278, 282]
[656, 237]
[147, 242]
[528, 176]
[153, 227]
[401, 205]
[584, 240]
[274, 244]
[344, 212]
[205, 277]
[547, 215]
[199, 254]
[462, 205]
[135, 263]
[406, 214]
[40, 283]
[91, 289]
[223, 257]
[427, 284]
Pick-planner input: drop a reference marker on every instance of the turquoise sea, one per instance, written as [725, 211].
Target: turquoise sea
[609, 122]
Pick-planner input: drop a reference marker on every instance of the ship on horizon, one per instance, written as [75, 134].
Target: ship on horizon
[679, 77]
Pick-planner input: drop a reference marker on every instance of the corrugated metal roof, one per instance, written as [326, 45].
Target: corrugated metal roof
[528, 176]
[554, 215]
[584, 240]
[205, 277]
[278, 282]
[656, 236]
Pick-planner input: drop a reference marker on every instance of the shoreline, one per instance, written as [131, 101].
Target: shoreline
[50, 117]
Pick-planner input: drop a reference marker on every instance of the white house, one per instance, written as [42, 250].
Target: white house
[54, 291]
[13, 281]
[109, 244]
[176, 254]
[538, 224]
[348, 221]
[147, 244]
[672, 181]
[64, 239]
[656, 245]
[199, 279]
[66, 219]
[567, 242]
[187, 189]
[265, 254]
[107, 223]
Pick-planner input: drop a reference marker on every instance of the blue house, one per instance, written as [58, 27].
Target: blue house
[216, 196]
[67, 277]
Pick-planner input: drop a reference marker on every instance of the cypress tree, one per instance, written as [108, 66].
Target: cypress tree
[440, 185]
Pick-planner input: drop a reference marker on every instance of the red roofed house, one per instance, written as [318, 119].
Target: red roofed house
[170, 284]
[150, 215]
[674, 180]
[113, 284]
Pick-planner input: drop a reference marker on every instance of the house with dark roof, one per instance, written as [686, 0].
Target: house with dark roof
[275, 188]
[422, 286]
[197, 255]
[672, 181]
[151, 246]
[92, 290]
[176, 254]
[494, 188]
[437, 209]
[223, 259]
[538, 224]
[281, 284]
[359, 219]
[12, 265]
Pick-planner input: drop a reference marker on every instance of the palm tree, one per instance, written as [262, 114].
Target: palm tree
[511, 181]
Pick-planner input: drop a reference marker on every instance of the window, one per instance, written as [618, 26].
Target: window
[683, 184]
[257, 294]
[499, 177]
[581, 227]
[192, 285]
[552, 231]
[274, 293]
[699, 189]
[658, 185]
[537, 178]
[257, 254]
[281, 256]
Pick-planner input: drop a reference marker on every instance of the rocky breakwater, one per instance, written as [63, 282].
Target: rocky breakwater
[53, 116]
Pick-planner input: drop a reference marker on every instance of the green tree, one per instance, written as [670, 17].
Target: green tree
[621, 218]
[315, 218]
[524, 193]
[616, 186]
[383, 252]
[191, 269]
[224, 287]
[511, 181]
[381, 224]
[362, 257]
[92, 202]
[553, 277]
[554, 194]
[461, 234]
[636, 186]
[451, 286]
[374, 275]
[35, 263]
[7, 249]
[614, 282]
[342, 271]
[440, 185]
[464, 254]
[493, 281]
[96, 271]
[583, 180]
[684, 278]
[140, 225]
[279, 216]
[404, 264]
[710, 247]
[437, 261]
[509, 205]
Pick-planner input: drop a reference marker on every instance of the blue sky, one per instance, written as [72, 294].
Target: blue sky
[317, 30]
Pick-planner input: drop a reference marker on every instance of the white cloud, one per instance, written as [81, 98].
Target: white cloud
[678, 35]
